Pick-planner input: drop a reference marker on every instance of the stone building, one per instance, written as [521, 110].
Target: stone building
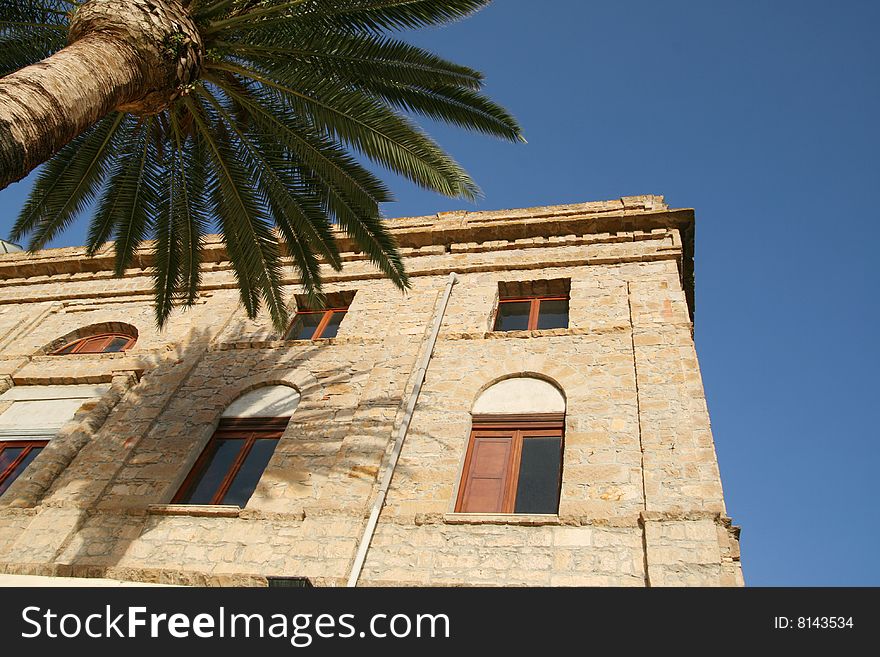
[553, 430]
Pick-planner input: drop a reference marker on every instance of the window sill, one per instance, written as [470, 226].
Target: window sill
[195, 510]
[531, 519]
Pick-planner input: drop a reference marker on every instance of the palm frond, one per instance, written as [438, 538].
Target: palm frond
[379, 15]
[329, 162]
[461, 107]
[267, 146]
[23, 47]
[251, 245]
[50, 12]
[270, 170]
[385, 137]
[349, 56]
[68, 183]
[135, 188]
[193, 214]
[356, 15]
[168, 247]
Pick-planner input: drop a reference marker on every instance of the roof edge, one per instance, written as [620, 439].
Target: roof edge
[628, 213]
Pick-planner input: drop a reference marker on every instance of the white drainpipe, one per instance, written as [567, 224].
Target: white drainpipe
[379, 502]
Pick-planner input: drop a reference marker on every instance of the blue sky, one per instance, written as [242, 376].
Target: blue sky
[763, 117]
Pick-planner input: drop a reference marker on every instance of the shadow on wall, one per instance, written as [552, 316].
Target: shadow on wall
[94, 507]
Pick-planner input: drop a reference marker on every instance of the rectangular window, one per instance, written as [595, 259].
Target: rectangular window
[231, 465]
[311, 324]
[315, 324]
[33, 416]
[532, 313]
[15, 457]
[512, 467]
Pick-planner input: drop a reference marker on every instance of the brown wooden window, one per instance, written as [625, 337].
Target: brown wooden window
[97, 344]
[315, 324]
[228, 470]
[15, 456]
[513, 465]
[531, 313]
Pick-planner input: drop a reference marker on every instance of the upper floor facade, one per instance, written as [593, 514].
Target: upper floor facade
[552, 430]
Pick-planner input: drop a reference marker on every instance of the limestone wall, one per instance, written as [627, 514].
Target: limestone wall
[641, 501]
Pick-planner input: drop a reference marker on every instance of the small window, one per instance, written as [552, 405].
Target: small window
[532, 305]
[15, 457]
[311, 324]
[231, 465]
[315, 324]
[97, 344]
[532, 314]
[512, 466]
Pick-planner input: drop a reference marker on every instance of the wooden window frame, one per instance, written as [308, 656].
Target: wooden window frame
[322, 325]
[520, 427]
[29, 445]
[534, 309]
[251, 429]
[82, 342]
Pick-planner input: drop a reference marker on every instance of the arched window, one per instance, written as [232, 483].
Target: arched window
[104, 343]
[229, 468]
[103, 338]
[31, 417]
[514, 457]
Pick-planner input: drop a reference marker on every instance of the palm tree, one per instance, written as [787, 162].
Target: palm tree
[178, 117]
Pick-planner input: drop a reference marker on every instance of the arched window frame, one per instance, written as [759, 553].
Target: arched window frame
[507, 436]
[247, 430]
[95, 344]
[514, 461]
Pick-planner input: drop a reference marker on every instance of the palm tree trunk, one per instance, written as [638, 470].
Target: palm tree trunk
[45, 105]
[130, 55]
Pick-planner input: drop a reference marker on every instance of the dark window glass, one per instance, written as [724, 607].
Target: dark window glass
[332, 327]
[116, 345]
[214, 470]
[537, 490]
[249, 474]
[8, 456]
[304, 326]
[231, 465]
[67, 349]
[553, 313]
[513, 316]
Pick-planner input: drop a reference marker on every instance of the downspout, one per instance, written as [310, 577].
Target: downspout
[370, 529]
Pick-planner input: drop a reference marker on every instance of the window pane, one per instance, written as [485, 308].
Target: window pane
[553, 314]
[304, 326]
[25, 462]
[245, 481]
[332, 327]
[513, 316]
[67, 349]
[215, 469]
[93, 345]
[116, 344]
[538, 488]
[486, 483]
[8, 455]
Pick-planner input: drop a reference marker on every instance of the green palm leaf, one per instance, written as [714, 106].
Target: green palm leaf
[247, 229]
[266, 146]
[370, 127]
[352, 56]
[68, 183]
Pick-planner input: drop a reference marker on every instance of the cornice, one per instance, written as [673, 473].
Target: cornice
[627, 214]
